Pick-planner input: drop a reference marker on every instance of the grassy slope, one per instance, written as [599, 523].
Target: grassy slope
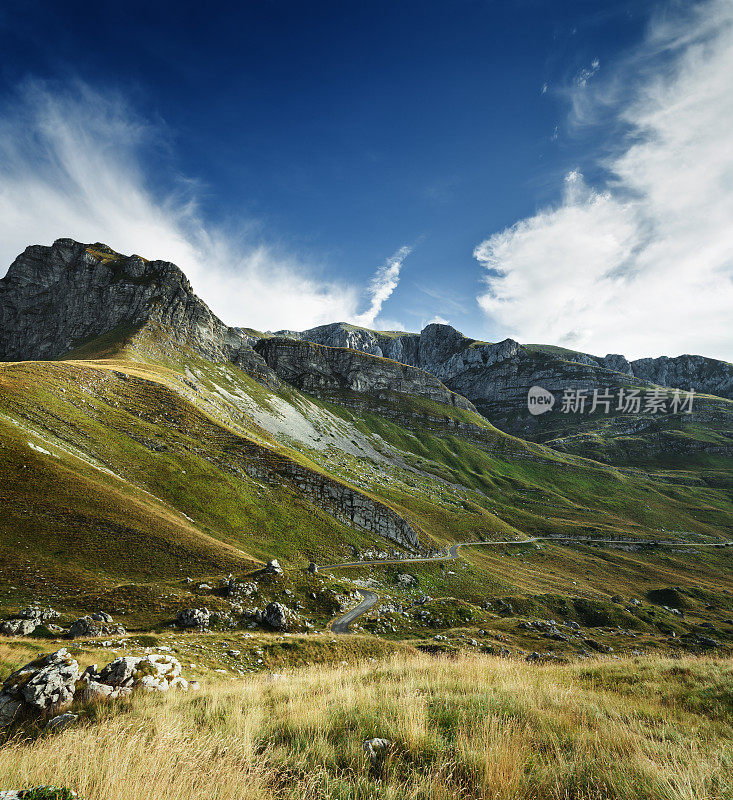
[174, 429]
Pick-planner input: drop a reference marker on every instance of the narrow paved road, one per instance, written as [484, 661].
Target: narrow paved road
[453, 550]
[341, 625]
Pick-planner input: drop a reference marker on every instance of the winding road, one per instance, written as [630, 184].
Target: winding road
[369, 598]
[341, 625]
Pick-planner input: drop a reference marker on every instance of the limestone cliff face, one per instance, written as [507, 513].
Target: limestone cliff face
[687, 371]
[321, 369]
[497, 377]
[445, 353]
[344, 503]
[55, 298]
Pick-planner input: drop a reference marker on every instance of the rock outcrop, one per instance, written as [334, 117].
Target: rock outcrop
[322, 370]
[53, 299]
[28, 620]
[51, 683]
[98, 624]
[345, 504]
[194, 618]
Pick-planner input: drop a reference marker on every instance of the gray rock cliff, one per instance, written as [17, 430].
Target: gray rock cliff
[55, 298]
[321, 369]
[497, 377]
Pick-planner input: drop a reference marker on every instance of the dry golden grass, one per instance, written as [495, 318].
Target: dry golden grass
[473, 727]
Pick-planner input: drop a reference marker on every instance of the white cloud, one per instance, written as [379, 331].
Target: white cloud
[587, 73]
[72, 165]
[437, 319]
[643, 266]
[382, 285]
[382, 324]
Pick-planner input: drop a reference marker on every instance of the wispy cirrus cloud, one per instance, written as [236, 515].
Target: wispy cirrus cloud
[73, 164]
[587, 73]
[642, 264]
[384, 282]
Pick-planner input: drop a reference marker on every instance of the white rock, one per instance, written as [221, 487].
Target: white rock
[375, 748]
[62, 721]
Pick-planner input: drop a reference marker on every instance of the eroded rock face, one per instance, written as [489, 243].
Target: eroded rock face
[444, 352]
[497, 377]
[320, 370]
[340, 501]
[55, 298]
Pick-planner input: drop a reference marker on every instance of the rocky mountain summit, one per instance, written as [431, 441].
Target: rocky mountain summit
[54, 299]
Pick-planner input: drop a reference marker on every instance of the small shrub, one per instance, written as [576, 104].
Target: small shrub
[48, 793]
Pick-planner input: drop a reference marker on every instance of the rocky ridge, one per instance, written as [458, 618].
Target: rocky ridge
[321, 370]
[496, 377]
[54, 299]
[446, 353]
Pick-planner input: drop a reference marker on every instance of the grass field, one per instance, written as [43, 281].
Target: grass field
[469, 727]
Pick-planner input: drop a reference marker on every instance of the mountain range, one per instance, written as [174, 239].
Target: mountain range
[143, 440]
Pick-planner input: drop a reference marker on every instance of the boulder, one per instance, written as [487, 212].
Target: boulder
[62, 721]
[18, 627]
[95, 625]
[84, 626]
[273, 568]
[313, 568]
[376, 748]
[94, 691]
[599, 647]
[277, 616]
[152, 673]
[52, 685]
[194, 618]
[44, 684]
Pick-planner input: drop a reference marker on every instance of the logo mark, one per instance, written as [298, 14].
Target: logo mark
[539, 400]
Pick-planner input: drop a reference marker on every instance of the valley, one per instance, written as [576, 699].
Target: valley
[267, 508]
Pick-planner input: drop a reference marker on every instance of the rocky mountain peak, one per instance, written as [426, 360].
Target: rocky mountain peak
[438, 342]
[53, 299]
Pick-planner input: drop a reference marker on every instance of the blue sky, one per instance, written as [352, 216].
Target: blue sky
[381, 161]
